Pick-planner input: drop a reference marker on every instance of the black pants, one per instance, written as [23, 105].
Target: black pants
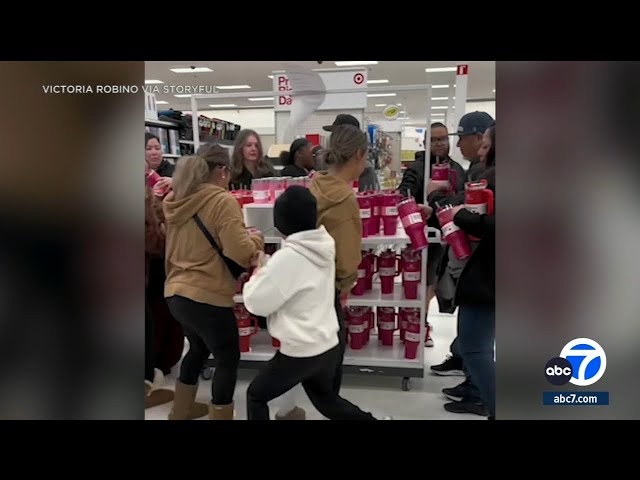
[342, 345]
[209, 330]
[149, 353]
[316, 374]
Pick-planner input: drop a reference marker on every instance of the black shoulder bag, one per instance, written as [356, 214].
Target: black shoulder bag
[235, 269]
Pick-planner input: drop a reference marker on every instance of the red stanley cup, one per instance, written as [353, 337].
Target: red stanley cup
[247, 326]
[371, 263]
[412, 336]
[411, 263]
[386, 325]
[478, 199]
[387, 270]
[452, 234]
[413, 223]
[389, 212]
[361, 284]
[356, 319]
[364, 201]
[376, 218]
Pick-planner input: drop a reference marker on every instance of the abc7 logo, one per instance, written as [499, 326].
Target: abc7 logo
[581, 362]
[558, 371]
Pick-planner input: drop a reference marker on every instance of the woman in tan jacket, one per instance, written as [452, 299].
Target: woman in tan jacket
[199, 286]
[339, 212]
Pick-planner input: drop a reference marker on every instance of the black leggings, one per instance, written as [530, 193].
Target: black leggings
[149, 354]
[342, 345]
[209, 330]
[317, 375]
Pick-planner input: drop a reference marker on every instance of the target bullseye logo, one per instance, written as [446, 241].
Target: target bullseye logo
[358, 78]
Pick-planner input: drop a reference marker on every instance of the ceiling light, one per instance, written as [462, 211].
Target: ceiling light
[402, 111]
[191, 70]
[494, 90]
[153, 82]
[260, 99]
[381, 94]
[441, 98]
[439, 108]
[183, 95]
[353, 64]
[440, 86]
[270, 76]
[232, 87]
[377, 81]
[161, 102]
[440, 70]
[384, 104]
[224, 105]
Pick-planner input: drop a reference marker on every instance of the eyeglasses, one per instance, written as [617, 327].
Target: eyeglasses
[439, 140]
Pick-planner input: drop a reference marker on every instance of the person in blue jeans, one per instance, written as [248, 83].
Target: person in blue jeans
[475, 292]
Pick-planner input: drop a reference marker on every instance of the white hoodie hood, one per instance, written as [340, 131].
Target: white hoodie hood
[295, 290]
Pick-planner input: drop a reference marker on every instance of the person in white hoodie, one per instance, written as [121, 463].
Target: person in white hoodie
[294, 289]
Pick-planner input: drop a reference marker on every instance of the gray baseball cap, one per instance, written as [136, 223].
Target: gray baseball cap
[473, 123]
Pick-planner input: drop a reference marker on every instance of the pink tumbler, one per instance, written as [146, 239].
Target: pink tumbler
[371, 257]
[411, 261]
[413, 223]
[412, 337]
[356, 319]
[260, 190]
[374, 224]
[389, 212]
[361, 284]
[452, 234]
[386, 325]
[387, 270]
[365, 212]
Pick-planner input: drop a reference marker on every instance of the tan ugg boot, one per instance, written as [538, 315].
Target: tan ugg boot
[221, 412]
[296, 414]
[184, 405]
[153, 398]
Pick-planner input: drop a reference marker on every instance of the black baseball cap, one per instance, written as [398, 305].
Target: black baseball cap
[343, 119]
[473, 123]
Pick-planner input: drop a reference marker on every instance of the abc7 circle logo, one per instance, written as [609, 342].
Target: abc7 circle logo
[358, 78]
[558, 371]
[582, 362]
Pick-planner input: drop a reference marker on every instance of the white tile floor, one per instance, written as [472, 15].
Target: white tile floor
[379, 395]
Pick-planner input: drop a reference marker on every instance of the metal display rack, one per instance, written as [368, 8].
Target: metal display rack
[373, 359]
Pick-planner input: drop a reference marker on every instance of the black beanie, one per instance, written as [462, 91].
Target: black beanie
[295, 211]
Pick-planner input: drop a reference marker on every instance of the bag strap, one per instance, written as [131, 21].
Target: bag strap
[207, 234]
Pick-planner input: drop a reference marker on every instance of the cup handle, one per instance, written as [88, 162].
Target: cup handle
[490, 206]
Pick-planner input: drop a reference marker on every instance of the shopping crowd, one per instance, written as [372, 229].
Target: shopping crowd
[197, 245]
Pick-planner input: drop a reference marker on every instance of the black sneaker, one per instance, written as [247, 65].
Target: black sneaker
[458, 392]
[451, 366]
[467, 406]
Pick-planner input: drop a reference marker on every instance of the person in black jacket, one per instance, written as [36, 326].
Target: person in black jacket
[153, 157]
[475, 292]
[413, 185]
[299, 160]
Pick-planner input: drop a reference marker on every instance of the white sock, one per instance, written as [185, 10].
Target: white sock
[287, 402]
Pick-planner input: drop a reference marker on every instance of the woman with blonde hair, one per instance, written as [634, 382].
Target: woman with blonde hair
[203, 219]
[248, 161]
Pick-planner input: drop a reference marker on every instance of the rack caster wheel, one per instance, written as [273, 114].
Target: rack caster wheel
[406, 384]
[207, 373]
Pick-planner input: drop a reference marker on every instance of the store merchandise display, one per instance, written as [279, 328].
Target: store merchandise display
[386, 303]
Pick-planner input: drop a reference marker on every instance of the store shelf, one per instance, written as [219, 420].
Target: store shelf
[374, 298]
[258, 205]
[372, 354]
[160, 123]
[400, 238]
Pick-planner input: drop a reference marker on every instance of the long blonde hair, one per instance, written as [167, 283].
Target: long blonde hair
[194, 170]
[237, 160]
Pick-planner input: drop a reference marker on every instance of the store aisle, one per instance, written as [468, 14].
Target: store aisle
[379, 395]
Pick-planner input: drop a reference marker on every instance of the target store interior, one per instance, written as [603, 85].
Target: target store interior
[304, 259]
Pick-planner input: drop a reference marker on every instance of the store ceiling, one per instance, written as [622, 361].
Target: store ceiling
[481, 82]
